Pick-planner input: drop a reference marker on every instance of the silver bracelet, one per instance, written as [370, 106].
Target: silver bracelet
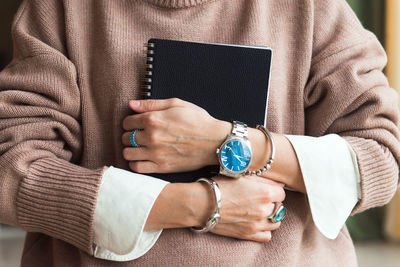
[214, 218]
[271, 158]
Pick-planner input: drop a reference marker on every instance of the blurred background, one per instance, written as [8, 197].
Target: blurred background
[376, 232]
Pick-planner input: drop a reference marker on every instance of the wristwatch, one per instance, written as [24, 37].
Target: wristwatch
[235, 154]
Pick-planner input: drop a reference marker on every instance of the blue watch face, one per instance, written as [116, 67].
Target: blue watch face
[235, 155]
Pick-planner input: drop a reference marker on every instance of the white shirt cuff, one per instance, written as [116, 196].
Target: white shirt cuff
[124, 202]
[331, 177]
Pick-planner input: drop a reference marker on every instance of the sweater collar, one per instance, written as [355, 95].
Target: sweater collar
[176, 3]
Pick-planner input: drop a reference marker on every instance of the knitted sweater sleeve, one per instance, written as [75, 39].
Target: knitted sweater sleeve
[41, 189]
[348, 94]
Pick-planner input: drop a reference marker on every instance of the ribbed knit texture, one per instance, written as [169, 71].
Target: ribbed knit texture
[375, 169]
[57, 198]
[177, 3]
[76, 65]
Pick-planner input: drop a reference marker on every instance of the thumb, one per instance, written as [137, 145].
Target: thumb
[147, 105]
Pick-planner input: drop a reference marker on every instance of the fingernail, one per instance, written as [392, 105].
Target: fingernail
[135, 103]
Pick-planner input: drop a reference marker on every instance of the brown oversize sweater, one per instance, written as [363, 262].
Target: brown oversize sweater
[78, 62]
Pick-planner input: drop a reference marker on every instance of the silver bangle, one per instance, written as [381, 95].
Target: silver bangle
[214, 218]
[271, 158]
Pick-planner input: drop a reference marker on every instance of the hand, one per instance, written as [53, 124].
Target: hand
[246, 204]
[176, 136]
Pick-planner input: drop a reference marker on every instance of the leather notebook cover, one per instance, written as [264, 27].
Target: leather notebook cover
[229, 81]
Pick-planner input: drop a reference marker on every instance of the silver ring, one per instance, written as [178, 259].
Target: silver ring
[278, 214]
[133, 142]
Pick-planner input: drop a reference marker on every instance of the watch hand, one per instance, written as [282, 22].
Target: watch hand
[237, 157]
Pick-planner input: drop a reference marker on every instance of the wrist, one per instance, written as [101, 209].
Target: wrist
[181, 205]
[286, 168]
[199, 205]
[220, 129]
[261, 148]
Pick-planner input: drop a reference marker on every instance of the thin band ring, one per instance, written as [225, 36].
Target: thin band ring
[133, 142]
[278, 214]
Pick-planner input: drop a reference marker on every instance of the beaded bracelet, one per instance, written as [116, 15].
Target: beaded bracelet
[272, 157]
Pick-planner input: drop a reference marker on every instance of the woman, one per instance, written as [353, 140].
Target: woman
[64, 109]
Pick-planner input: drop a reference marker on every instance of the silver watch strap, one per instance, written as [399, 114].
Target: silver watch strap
[239, 129]
[214, 218]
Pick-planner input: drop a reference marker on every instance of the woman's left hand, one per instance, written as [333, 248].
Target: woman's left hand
[174, 136]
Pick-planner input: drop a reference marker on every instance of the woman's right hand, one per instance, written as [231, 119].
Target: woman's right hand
[246, 205]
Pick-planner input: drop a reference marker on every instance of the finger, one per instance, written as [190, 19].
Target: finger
[139, 138]
[143, 166]
[269, 210]
[135, 154]
[280, 194]
[273, 226]
[132, 122]
[271, 191]
[263, 222]
[274, 193]
[272, 182]
[247, 228]
[261, 236]
[154, 104]
[266, 180]
[260, 226]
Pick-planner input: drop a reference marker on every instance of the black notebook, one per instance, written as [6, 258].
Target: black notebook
[229, 81]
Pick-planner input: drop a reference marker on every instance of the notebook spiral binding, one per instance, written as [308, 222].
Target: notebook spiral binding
[147, 80]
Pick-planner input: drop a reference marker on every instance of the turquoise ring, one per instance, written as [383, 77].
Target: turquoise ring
[133, 142]
[278, 214]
